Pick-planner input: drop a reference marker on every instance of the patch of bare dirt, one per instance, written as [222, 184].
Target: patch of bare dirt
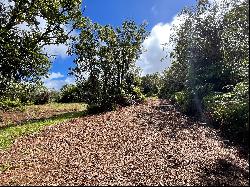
[146, 144]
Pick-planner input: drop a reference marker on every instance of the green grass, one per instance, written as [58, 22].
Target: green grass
[56, 106]
[12, 132]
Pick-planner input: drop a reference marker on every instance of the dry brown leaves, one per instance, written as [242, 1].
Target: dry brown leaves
[147, 144]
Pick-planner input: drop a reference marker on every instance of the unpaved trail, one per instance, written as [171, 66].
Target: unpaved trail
[146, 144]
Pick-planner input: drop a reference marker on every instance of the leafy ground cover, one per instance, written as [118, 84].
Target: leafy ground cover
[146, 144]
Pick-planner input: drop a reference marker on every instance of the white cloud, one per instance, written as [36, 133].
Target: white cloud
[54, 81]
[59, 50]
[70, 80]
[150, 61]
[54, 75]
[57, 84]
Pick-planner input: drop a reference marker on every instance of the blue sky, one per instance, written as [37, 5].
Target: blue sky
[160, 15]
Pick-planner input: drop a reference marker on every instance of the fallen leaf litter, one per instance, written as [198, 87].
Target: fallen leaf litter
[145, 144]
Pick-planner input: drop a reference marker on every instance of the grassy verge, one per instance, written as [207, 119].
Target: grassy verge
[10, 133]
[38, 112]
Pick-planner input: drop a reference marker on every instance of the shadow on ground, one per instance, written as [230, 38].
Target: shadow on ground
[223, 173]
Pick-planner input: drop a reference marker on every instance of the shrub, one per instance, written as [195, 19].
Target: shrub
[151, 84]
[69, 93]
[9, 104]
[186, 103]
[42, 98]
[231, 110]
[94, 109]
[126, 99]
[137, 95]
[54, 96]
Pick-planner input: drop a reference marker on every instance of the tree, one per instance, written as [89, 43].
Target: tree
[174, 77]
[198, 54]
[235, 42]
[209, 74]
[107, 56]
[21, 50]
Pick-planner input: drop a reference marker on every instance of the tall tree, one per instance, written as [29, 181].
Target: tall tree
[107, 56]
[213, 56]
[21, 50]
[235, 42]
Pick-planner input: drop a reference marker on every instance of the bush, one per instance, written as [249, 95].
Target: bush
[17, 94]
[126, 99]
[69, 93]
[18, 91]
[173, 79]
[186, 103]
[94, 109]
[54, 96]
[42, 98]
[137, 95]
[8, 104]
[151, 84]
[231, 110]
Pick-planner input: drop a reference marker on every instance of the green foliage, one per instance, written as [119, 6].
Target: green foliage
[151, 84]
[69, 93]
[19, 94]
[107, 56]
[185, 102]
[137, 93]
[209, 73]
[180, 97]
[22, 58]
[96, 109]
[173, 79]
[17, 90]
[28, 93]
[8, 104]
[54, 96]
[231, 109]
[136, 96]
[42, 98]
[235, 42]
[39, 94]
